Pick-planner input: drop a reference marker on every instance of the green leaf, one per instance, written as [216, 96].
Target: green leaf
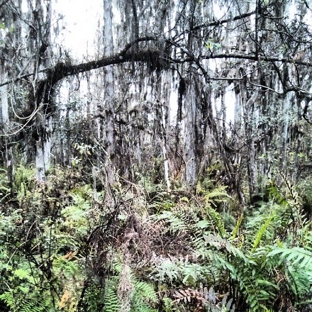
[266, 283]
[202, 224]
[297, 256]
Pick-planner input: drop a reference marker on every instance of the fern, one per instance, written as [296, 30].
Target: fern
[203, 298]
[297, 264]
[24, 292]
[21, 302]
[169, 304]
[217, 220]
[262, 226]
[216, 195]
[145, 291]
[212, 198]
[295, 256]
[223, 245]
[258, 290]
[76, 215]
[112, 303]
[126, 293]
[93, 298]
[218, 265]
[176, 223]
[262, 230]
[24, 182]
[167, 270]
[144, 295]
[237, 227]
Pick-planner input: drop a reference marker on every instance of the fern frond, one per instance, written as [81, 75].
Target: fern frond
[133, 294]
[20, 303]
[145, 292]
[262, 230]
[143, 296]
[176, 223]
[168, 304]
[225, 246]
[111, 300]
[296, 256]
[166, 270]
[203, 299]
[237, 227]
[297, 265]
[217, 220]
[259, 292]
[215, 195]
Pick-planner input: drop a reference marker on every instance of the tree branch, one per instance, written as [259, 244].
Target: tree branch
[220, 22]
[255, 58]
[63, 70]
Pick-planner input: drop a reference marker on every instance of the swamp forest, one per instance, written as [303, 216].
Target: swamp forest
[166, 166]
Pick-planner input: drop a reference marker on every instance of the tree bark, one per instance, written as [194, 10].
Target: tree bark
[41, 47]
[109, 105]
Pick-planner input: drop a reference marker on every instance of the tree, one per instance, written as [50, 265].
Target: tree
[199, 56]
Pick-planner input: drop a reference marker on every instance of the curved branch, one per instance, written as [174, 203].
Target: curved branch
[63, 70]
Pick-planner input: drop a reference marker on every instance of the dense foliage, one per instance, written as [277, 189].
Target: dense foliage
[167, 170]
[64, 249]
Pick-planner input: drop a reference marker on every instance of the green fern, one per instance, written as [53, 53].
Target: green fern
[263, 228]
[77, 215]
[212, 198]
[175, 221]
[93, 299]
[224, 246]
[112, 303]
[167, 270]
[295, 256]
[24, 182]
[145, 291]
[259, 292]
[297, 265]
[216, 195]
[143, 297]
[217, 220]
[169, 305]
[18, 301]
[237, 227]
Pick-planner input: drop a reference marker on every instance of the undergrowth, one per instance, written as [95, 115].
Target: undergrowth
[68, 247]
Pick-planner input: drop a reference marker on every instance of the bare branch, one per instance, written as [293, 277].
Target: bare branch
[256, 58]
[220, 22]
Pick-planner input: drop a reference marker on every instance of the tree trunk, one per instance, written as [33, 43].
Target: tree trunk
[41, 48]
[190, 136]
[109, 94]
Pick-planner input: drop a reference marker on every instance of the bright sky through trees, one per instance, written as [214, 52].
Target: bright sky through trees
[81, 21]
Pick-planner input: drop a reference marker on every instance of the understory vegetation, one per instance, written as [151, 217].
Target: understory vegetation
[67, 245]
